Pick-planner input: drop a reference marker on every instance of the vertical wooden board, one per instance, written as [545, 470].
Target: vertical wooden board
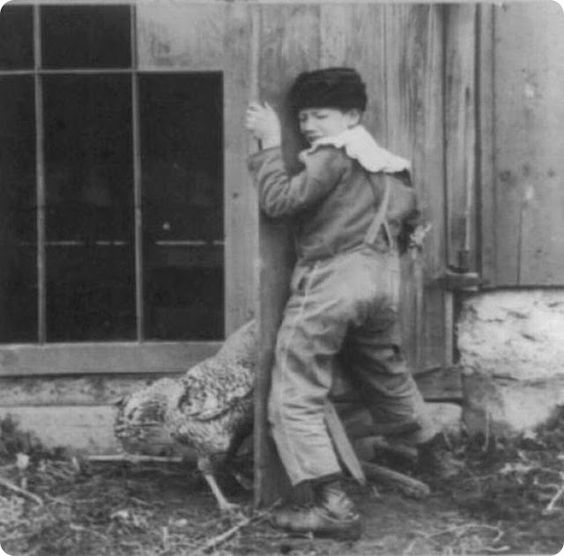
[353, 35]
[414, 54]
[460, 134]
[485, 151]
[288, 44]
[390, 47]
[529, 118]
[175, 35]
[415, 123]
[241, 210]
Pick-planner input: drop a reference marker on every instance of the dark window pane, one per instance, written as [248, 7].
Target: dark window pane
[89, 198]
[16, 37]
[182, 165]
[88, 157]
[86, 36]
[184, 292]
[18, 252]
[90, 292]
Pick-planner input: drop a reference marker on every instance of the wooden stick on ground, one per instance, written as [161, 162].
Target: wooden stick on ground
[214, 542]
[408, 485]
[14, 488]
[552, 504]
[134, 458]
[342, 443]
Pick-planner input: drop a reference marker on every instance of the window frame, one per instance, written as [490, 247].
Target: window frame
[132, 356]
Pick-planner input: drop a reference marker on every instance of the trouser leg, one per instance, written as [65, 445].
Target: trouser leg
[374, 359]
[353, 297]
[311, 334]
[379, 373]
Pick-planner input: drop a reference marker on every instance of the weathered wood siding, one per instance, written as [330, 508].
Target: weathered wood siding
[522, 144]
[460, 135]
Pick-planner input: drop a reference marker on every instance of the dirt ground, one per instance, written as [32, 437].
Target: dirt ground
[507, 498]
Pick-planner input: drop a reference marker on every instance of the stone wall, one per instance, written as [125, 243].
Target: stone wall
[511, 347]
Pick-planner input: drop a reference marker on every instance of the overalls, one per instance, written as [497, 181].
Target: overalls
[347, 306]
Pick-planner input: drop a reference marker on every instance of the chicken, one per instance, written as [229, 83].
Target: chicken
[209, 408]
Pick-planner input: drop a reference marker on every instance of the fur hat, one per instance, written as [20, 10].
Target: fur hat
[340, 88]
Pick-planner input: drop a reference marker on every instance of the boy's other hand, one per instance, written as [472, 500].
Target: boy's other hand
[264, 124]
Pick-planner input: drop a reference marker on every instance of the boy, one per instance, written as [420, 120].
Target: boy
[351, 208]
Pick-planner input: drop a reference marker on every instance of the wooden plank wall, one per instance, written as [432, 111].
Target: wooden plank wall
[525, 162]
[241, 209]
[414, 77]
[485, 195]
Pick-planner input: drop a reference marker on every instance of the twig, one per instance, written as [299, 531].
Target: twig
[487, 435]
[58, 500]
[82, 529]
[132, 458]
[550, 507]
[459, 530]
[409, 547]
[496, 549]
[226, 535]
[165, 538]
[139, 501]
[14, 488]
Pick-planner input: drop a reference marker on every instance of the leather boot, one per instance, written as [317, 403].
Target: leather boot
[332, 514]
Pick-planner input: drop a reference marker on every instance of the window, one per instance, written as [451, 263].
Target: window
[181, 164]
[111, 202]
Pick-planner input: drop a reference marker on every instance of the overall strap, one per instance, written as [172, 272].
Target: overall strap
[380, 217]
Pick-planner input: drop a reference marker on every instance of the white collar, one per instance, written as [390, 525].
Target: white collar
[360, 145]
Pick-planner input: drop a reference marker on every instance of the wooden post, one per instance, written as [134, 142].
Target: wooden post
[485, 151]
[414, 111]
[285, 36]
[275, 256]
[274, 264]
[460, 136]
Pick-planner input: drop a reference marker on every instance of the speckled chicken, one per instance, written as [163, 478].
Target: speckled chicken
[209, 409]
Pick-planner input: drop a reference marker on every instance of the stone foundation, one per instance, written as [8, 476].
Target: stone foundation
[511, 346]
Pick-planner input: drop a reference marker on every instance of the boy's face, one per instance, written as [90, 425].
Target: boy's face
[316, 123]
